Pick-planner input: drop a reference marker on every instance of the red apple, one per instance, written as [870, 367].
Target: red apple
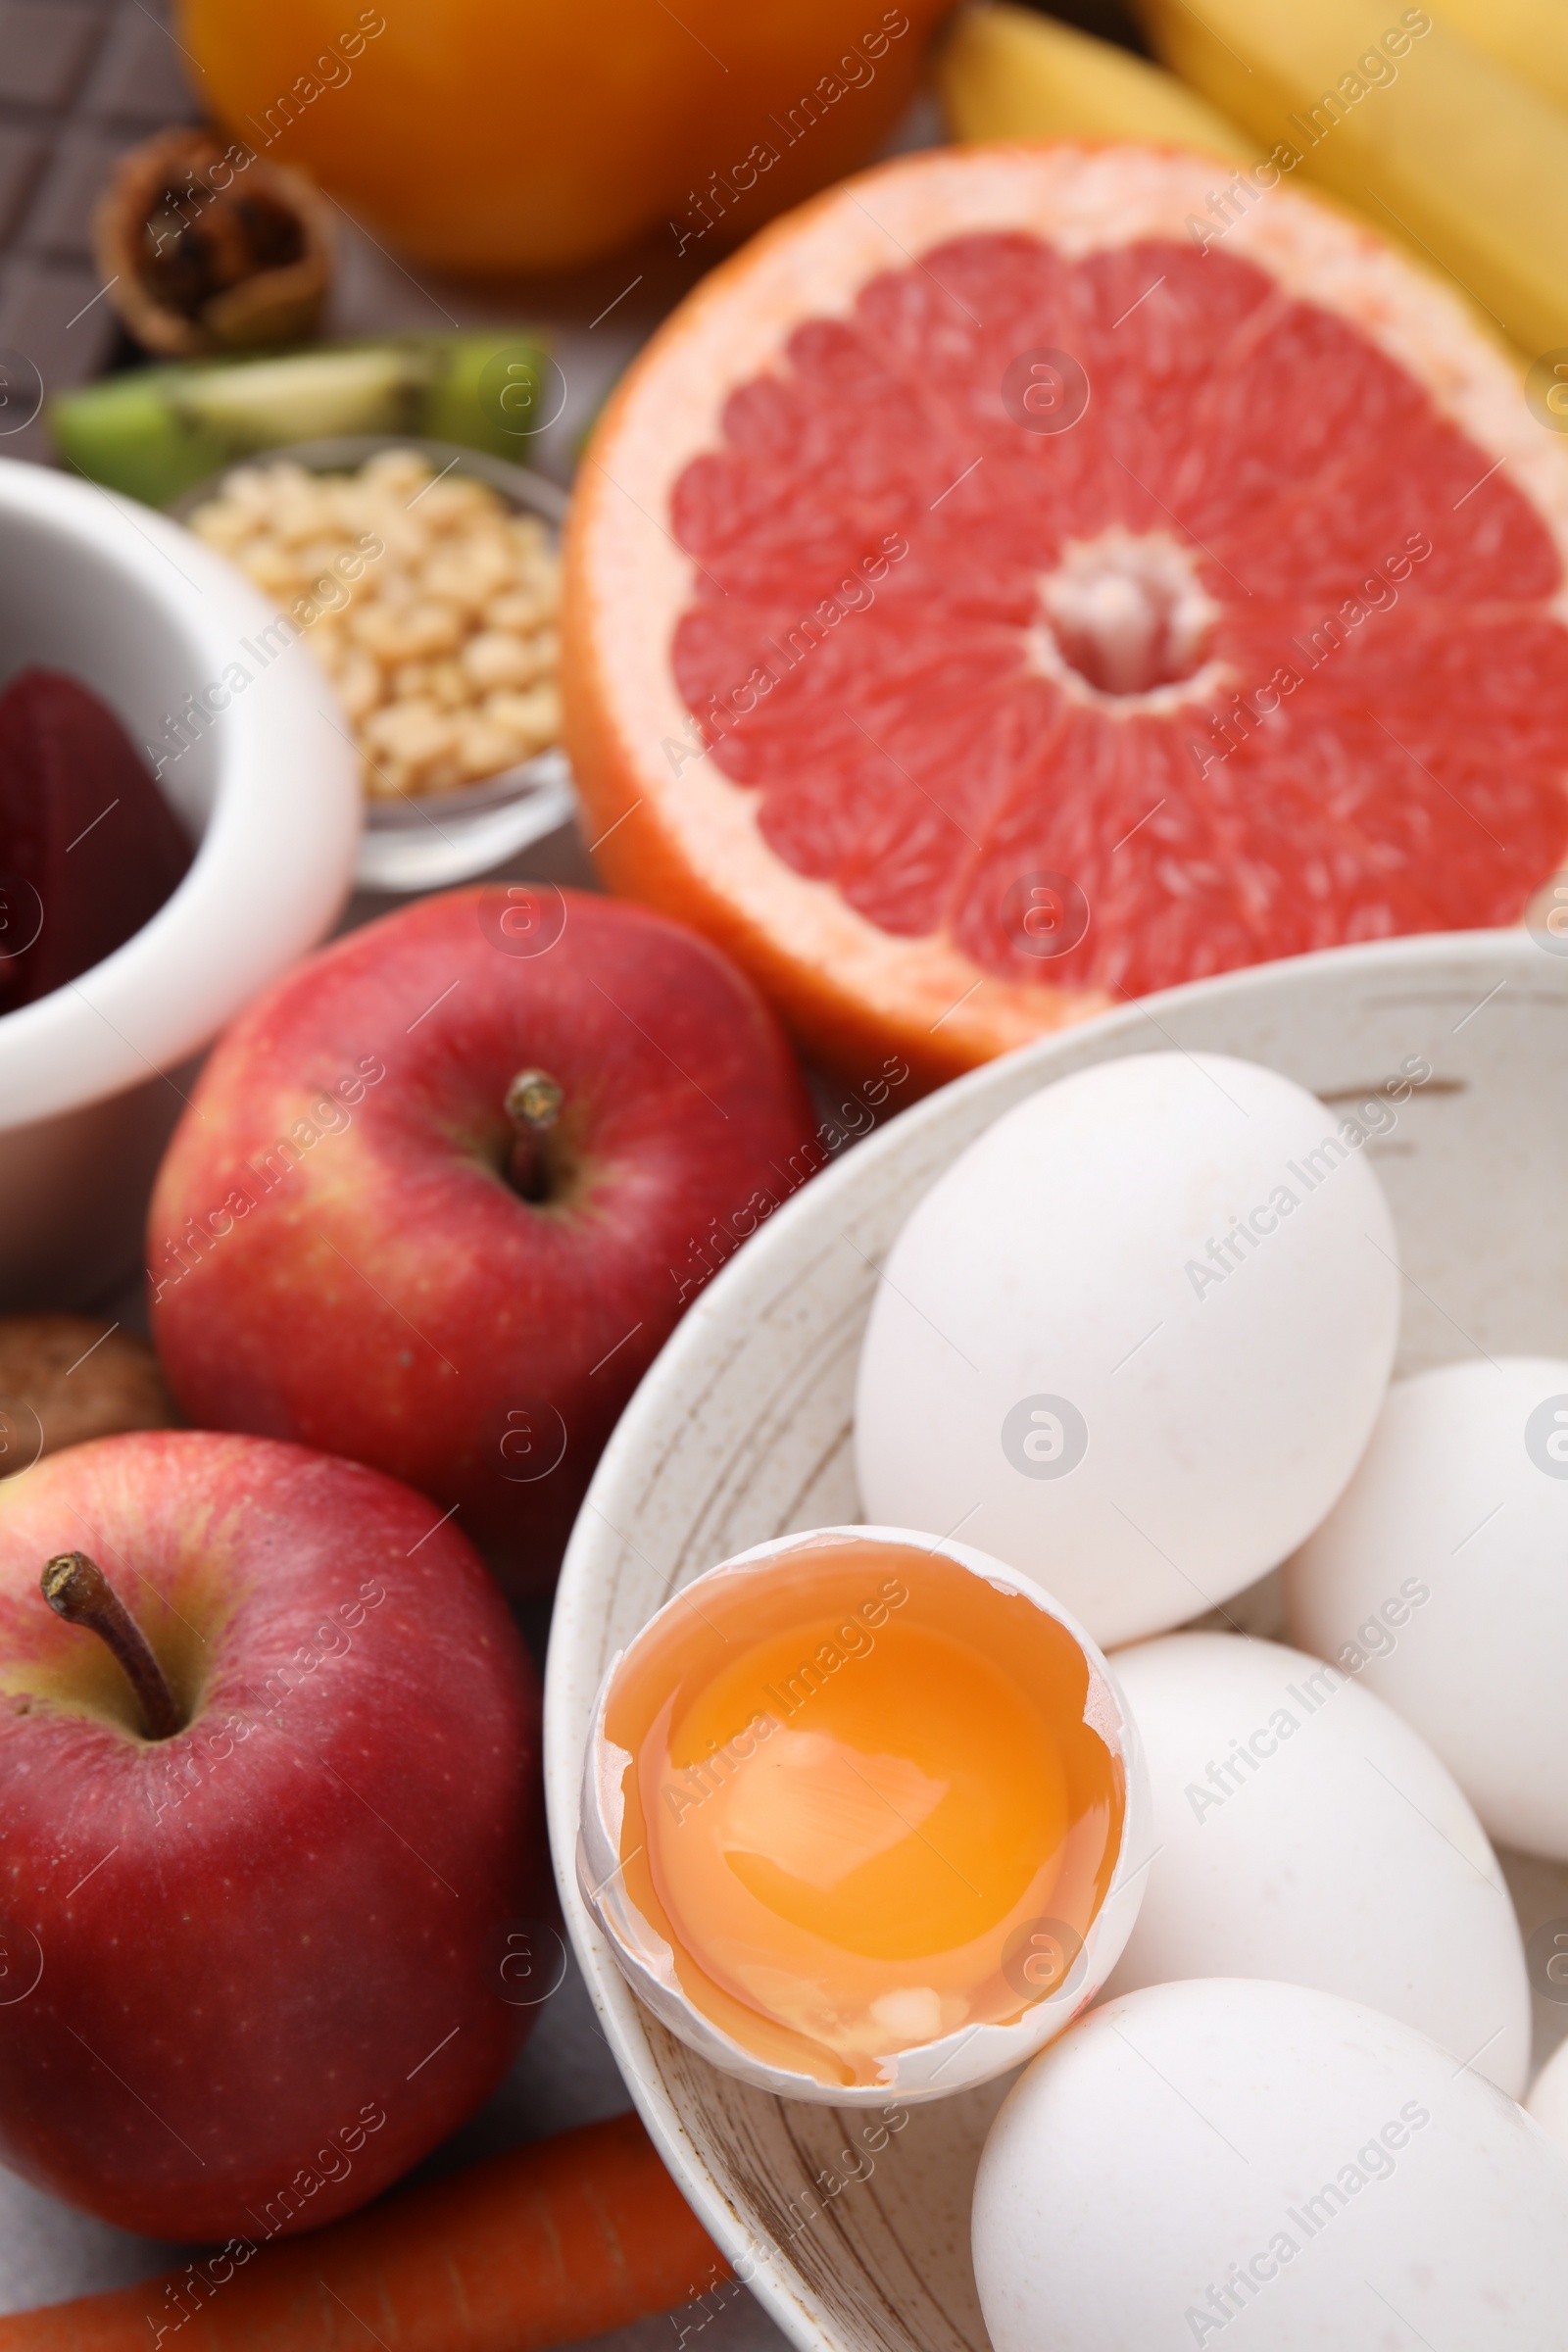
[252, 1970]
[443, 1191]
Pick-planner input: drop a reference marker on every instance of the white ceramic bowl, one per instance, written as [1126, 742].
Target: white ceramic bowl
[742, 1431]
[91, 1077]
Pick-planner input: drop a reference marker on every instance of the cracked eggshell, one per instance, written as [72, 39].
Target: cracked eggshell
[931, 2070]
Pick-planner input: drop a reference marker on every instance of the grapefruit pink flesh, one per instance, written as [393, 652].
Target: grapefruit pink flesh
[1364, 729]
[983, 606]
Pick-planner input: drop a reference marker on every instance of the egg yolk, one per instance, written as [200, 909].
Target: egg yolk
[863, 1803]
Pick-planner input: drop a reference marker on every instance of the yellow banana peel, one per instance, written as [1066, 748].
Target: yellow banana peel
[1005, 73]
[1434, 143]
[1528, 37]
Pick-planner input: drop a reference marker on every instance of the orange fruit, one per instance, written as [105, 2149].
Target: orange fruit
[506, 135]
[984, 604]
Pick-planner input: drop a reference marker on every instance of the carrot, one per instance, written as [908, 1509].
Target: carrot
[544, 2245]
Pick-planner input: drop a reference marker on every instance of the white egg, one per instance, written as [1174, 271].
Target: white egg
[1229, 2162]
[1548, 2096]
[1133, 1341]
[1442, 1578]
[1303, 1831]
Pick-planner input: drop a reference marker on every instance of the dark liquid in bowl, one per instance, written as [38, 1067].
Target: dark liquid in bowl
[89, 848]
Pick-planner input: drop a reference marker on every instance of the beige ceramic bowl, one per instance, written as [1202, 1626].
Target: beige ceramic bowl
[742, 1431]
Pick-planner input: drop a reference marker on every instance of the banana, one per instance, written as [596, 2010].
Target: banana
[1434, 143]
[1005, 73]
[1528, 37]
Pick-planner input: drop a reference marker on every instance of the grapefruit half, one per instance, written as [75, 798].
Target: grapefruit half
[986, 602]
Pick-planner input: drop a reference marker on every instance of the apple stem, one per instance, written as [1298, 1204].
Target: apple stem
[78, 1590]
[533, 1103]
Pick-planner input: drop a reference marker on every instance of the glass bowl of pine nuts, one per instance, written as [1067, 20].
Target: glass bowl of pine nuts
[424, 579]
